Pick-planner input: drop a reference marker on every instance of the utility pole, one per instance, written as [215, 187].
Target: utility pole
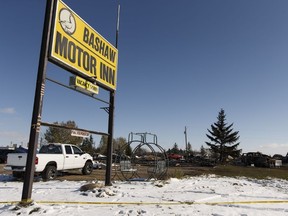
[186, 145]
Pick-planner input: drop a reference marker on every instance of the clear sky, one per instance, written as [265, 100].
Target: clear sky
[180, 62]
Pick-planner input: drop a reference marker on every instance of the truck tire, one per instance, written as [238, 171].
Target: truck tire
[18, 175]
[88, 168]
[49, 173]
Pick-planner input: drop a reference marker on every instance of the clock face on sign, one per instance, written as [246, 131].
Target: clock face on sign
[67, 21]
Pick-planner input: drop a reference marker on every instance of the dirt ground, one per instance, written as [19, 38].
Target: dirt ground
[99, 174]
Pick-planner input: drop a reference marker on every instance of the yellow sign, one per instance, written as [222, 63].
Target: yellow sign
[84, 84]
[80, 49]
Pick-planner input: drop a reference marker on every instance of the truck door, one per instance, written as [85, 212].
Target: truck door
[78, 159]
[69, 158]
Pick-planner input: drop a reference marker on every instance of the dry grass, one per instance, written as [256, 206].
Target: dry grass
[251, 172]
[236, 171]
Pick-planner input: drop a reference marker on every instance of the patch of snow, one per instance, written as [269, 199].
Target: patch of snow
[201, 195]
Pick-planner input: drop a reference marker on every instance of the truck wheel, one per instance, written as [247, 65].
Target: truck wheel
[18, 175]
[49, 173]
[88, 168]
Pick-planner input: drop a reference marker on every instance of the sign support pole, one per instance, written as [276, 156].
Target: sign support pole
[110, 140]
[111, 120]
[37, 109]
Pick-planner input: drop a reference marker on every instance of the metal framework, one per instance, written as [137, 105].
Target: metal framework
[142, 164]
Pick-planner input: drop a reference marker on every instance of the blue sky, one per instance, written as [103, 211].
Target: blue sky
[180, 62]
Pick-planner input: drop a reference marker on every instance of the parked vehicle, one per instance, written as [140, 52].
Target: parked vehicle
[278, 157]
[257, 159]
[5, 151]
[98, 165]
[52, 158]
[3, 154]
[285, 159]
[175, 157]
[202, 161]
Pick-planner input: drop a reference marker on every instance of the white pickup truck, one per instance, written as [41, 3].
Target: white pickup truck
[52, 158]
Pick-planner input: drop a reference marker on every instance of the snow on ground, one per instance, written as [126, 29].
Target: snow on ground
[203, 195]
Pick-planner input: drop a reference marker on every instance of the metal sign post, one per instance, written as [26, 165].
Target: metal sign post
[110, 141]
[37, 109]
[111, 120]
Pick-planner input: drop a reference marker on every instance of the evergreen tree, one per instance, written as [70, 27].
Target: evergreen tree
[223, 139]
[169, 151]
[189, 147]
[175, 149]
[203, 152]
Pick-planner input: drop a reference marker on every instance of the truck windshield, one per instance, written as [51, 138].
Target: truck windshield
[51, 149]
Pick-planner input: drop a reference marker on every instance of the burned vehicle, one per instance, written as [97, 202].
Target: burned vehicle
[257, 159]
